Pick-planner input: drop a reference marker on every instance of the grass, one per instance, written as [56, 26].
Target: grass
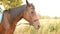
[47, 27]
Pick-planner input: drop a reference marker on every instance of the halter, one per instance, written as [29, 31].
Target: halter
[31, 21]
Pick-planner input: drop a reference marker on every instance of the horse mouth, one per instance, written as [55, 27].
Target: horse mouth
[36, 24]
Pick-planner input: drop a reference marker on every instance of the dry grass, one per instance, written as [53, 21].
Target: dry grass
[48, 26]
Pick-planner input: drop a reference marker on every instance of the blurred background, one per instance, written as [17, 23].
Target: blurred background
[48, 12]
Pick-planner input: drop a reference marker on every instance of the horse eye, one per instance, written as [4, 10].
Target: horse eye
[32, 12]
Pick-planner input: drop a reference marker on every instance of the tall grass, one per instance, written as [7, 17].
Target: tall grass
[46, 28]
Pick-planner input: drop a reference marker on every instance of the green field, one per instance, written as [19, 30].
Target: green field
[48, 26]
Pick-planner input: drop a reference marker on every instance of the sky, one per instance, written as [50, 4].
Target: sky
[2, 8]
[46, 7]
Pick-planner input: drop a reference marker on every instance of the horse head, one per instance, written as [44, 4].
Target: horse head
[30, 15]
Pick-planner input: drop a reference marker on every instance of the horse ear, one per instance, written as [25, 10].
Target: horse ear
[27, 3]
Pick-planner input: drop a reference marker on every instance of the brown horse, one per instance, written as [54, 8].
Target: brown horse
[13, 15]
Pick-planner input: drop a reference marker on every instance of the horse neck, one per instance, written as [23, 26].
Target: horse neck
[15, 20]
[19, 16]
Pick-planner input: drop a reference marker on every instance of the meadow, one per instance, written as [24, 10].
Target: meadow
[47, 26]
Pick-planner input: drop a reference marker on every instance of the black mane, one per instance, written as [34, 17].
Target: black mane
[16, 11]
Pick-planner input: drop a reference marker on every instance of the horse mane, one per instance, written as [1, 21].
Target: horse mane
[14, 12]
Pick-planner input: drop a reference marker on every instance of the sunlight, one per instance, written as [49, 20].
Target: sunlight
[46, 7]
[22, 21]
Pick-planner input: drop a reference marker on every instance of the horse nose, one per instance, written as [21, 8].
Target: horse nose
[38, 26]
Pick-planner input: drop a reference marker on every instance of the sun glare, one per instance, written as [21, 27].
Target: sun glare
[46, 7]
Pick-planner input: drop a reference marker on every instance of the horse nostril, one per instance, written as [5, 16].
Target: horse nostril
[38, 26]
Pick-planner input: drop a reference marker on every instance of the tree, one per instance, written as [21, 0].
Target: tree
[55, 17]
[11, 3]
[14, 3]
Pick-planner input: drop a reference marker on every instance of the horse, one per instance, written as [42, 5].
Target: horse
[13, 15]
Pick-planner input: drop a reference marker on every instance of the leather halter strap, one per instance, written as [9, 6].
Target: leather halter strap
[29, 15]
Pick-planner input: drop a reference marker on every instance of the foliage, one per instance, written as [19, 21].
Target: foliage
[51, 27]
[55, 17]
[58, 27]
[11, 3]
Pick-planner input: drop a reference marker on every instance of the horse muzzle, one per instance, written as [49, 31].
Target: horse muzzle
[36, 24]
